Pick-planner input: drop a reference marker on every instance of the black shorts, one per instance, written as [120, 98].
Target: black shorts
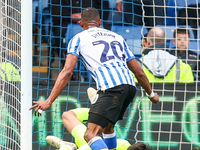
[111, 104]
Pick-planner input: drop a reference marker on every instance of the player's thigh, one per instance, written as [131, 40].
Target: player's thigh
[82, 114]
[127, 101]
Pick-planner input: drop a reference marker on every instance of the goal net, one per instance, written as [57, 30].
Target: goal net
[13, 112]
[173, 123]
[10, 75]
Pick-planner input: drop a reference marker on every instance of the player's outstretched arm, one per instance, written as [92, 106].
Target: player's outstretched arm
[142, 79]
[61, 81]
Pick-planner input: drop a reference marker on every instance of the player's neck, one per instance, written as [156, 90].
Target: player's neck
[90, 25]
[85, 28]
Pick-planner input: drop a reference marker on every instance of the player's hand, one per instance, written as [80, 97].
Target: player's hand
[40, 106]
[155, 99]
[119, 7]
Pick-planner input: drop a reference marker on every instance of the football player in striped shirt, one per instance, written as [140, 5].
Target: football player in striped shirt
[110, 62]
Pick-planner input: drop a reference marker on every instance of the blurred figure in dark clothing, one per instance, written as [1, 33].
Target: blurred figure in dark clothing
[133, 11]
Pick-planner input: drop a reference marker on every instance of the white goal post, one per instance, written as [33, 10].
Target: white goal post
[26, 74]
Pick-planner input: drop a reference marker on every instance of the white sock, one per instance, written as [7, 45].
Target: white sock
[85, 147]
[65, 147]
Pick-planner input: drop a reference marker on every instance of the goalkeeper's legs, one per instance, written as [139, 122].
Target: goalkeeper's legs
[74, 126]
[77, 129]
[58, 143]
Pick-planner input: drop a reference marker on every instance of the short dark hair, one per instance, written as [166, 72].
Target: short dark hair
[181, 31]
[89, 14]
[140, 146]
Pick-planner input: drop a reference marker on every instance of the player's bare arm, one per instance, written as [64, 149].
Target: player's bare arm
[61, 81]
[142, 79]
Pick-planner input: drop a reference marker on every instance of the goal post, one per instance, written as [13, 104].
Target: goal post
[26, 74]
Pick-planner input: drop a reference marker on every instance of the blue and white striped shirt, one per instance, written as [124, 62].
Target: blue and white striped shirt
[105, 55]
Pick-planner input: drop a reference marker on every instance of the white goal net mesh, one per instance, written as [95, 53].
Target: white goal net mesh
[10, 62]
[173, 123]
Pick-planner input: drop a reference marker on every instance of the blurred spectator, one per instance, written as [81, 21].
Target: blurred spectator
[101, 5]
[190, 16]
[60, 11]
[133, 11]
[182, 40]
[64, 12]
[159, 65]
